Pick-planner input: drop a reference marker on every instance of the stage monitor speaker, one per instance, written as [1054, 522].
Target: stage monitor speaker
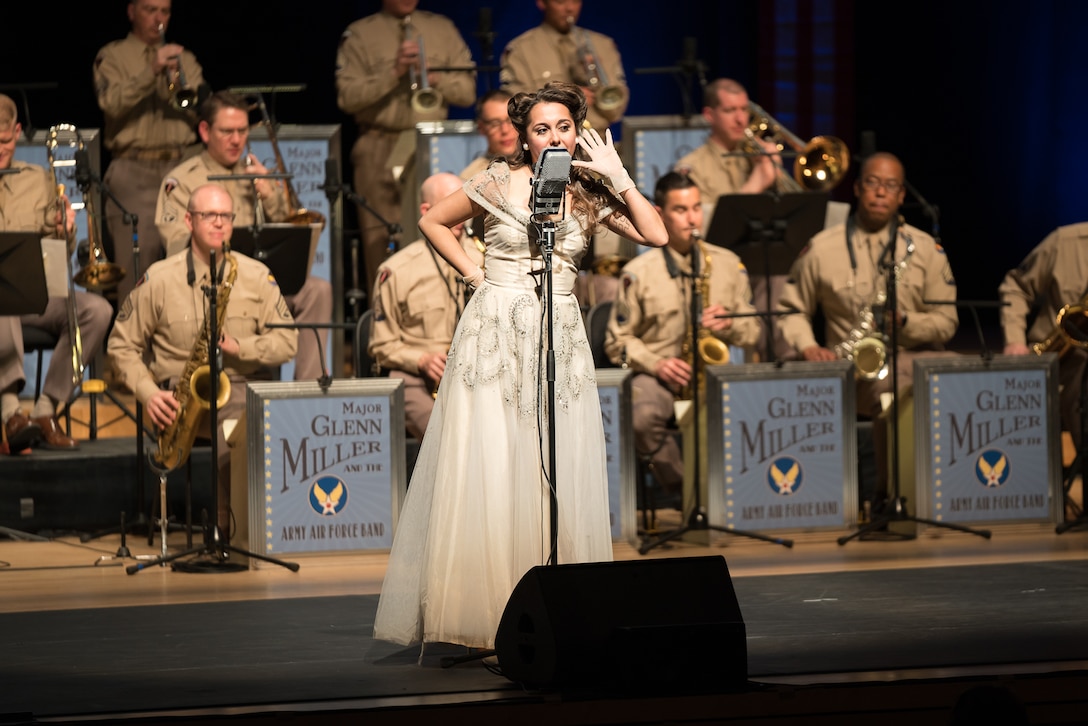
[660, 624]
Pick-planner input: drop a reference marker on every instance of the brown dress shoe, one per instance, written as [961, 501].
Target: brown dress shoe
[53, 436]
[21, 432]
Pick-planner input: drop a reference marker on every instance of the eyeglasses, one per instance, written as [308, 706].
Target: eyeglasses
[497, 123]
[873, 183]
[223, 217]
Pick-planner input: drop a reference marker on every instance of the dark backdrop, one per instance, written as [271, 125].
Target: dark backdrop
[983, 102]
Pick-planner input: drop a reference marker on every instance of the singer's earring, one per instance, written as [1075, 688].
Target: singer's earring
[525, 147]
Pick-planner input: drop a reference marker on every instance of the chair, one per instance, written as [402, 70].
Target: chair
[596, 328]
[366, 366]
[38, 340]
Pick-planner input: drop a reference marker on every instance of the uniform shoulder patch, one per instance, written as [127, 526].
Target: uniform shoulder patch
[272, 280]
[741, 268]
[126, 308]
[169, 184]
[383, 275]
[940, 250]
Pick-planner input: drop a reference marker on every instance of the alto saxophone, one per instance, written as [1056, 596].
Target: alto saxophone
[193, 389]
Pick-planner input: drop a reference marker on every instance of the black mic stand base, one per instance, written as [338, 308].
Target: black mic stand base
[895, 510]
[698, 522]
[215, 557]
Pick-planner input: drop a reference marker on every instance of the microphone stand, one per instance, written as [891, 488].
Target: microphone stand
[137, 416]
[697, 519]
[895, 509]
[684, 71]
[216, 544]
[325, 380]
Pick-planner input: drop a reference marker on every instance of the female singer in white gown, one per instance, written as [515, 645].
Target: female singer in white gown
[477, 514]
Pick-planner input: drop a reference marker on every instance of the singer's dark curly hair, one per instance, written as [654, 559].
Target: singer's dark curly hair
[589, 194]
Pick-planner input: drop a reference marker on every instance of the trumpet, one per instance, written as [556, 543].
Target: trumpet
[821, 163]
[609, 97]
[424, 98]
[181, 97]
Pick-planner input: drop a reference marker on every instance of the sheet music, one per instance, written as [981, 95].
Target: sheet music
[55, 259]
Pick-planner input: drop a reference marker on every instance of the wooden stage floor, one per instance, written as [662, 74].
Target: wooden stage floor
[63, 574]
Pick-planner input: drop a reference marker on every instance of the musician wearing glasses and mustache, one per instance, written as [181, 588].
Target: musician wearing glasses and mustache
[418, 298]
[841, 272]
[28, 203]
[649, 321]
[160, 322]
[224, 129]
[145, 132]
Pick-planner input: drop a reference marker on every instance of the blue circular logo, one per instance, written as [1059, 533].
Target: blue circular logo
[992, 468]
[785, 476]
[328, 496]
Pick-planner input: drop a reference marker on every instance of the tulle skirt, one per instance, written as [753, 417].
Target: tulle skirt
[477, 514]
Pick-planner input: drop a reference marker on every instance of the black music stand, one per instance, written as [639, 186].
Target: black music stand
[284, 248]
[22, 274]
[22, 292]
[768, 232]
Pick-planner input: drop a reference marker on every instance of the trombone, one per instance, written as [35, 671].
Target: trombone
[821, 163]
[181, 97]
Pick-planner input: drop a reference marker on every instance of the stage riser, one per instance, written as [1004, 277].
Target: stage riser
[87, 490]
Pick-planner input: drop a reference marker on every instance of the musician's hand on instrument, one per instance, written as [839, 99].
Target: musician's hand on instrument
[816, 353]
[674, 372]
[712, 319]
[65, 216]
[1016, 349]
[229, 345]
[604, 159]
[764, 169]
[264, 186]
[166, 57]
[162, 407]
[433, 365]
[407, 57]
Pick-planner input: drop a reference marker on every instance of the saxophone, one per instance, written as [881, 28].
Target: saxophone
[866, 346]
[193, 389]
[712, 351]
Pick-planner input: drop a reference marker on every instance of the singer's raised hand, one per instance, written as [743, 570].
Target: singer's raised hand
[604, 159]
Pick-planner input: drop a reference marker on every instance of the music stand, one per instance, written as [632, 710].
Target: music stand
[284, 248]
[22, 274]
[767, 231]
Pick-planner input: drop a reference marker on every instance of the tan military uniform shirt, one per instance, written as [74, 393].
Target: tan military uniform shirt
[475, 167]
[28, 200]
[823, 276]
[650, 317]
[1053, 275]
[178, 186]
[716, 172]
[544, 54]
[136, 101]
[163, 317]
[366, 85]
[418, 299]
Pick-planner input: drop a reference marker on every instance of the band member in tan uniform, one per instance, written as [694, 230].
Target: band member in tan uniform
[840, 272]
[493, 123]
[378, 59]
[1053, 275]
[145, 132]
[720, 167]
[650, 323]
[159, 324]
[28, 203]
[224, 129]
[418, 298]
[559, 50]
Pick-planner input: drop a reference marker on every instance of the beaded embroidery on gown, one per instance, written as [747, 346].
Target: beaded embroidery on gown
[476, 516]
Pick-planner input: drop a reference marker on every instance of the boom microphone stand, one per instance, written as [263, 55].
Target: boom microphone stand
[697, 520]
[895, 509]
[216, 546]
